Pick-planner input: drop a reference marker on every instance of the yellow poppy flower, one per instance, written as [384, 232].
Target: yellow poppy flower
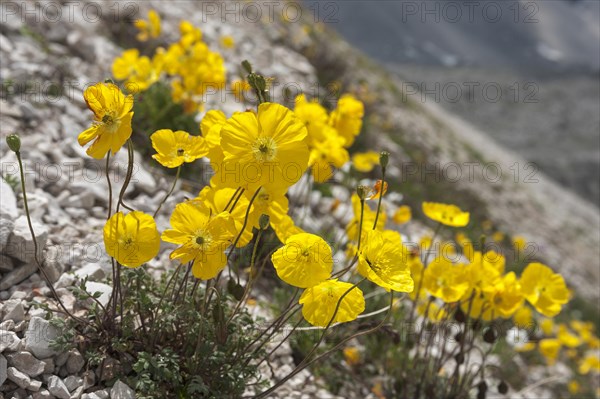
[547, 326]
[131, 239]
[484, 269]
[590, 363]
[550, 348]
[175, 148]
[445, 281]
[402, 215]
[573, 387]
[314, 116]
[202, 236]
[304, 261]
[450, 215]
[325, 155]
[150, 28]
[523, 317]
[268, 202]
[352, 355]
[567, 338]
[519, 243]
[189, 34]
[210, 127]
[139, 73]
[347, 118]
[319, 303]
[221, 200]
[112, 119]
[498, 236]
[384, 260]
[267, 149]
[544, 289]
[365, 161]
[503, 297]
[227, 42]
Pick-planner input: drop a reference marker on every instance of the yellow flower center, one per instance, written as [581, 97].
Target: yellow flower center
[126, 241]
[264, 149]
[201, 240]
[110, 121]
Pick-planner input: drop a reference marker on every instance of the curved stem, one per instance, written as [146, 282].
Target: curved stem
[380, 197]
[420, 282]
[234, 196]
[250, 280]
[127, 176]
[109, 186]
[237, 239]
[355, 258]
[36, 248]
[329, 352]
[169, 193]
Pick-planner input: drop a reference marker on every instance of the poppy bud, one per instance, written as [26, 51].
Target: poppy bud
[384, 158]
[489, 336]
[503, 387]
[14, 142]
[362, 192]
[263, 221]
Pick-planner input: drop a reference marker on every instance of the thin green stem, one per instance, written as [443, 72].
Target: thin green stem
[380, 197]
[128, 176]
[420, 282]
[250, 279]
[36, 247]
[109, 186]
[329, 352]
[169, 193]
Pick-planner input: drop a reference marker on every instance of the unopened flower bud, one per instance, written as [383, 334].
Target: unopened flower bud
[490, 336]
[384, 158]
[503, 387]
[362, 191]
[14, 142]
[263, 221]
[247, 66]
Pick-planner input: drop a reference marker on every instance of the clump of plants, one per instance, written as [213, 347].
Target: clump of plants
[190, 334]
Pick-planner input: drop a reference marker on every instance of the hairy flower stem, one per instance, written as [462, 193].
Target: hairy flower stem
[355, 258]
[128, 176]
[35, 245]
[176, 294]
[303, 365]
[169, 193]
[292, 304]
[237, 198]
[380, 197]
[116, 294]
[304, 361]
[420, 283]
[250, 279]
[233, 197]
[237, 239]
[109, 186]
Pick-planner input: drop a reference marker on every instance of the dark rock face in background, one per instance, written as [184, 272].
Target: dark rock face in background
[543, 56]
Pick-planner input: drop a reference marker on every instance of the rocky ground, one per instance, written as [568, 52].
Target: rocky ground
[64, 184]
